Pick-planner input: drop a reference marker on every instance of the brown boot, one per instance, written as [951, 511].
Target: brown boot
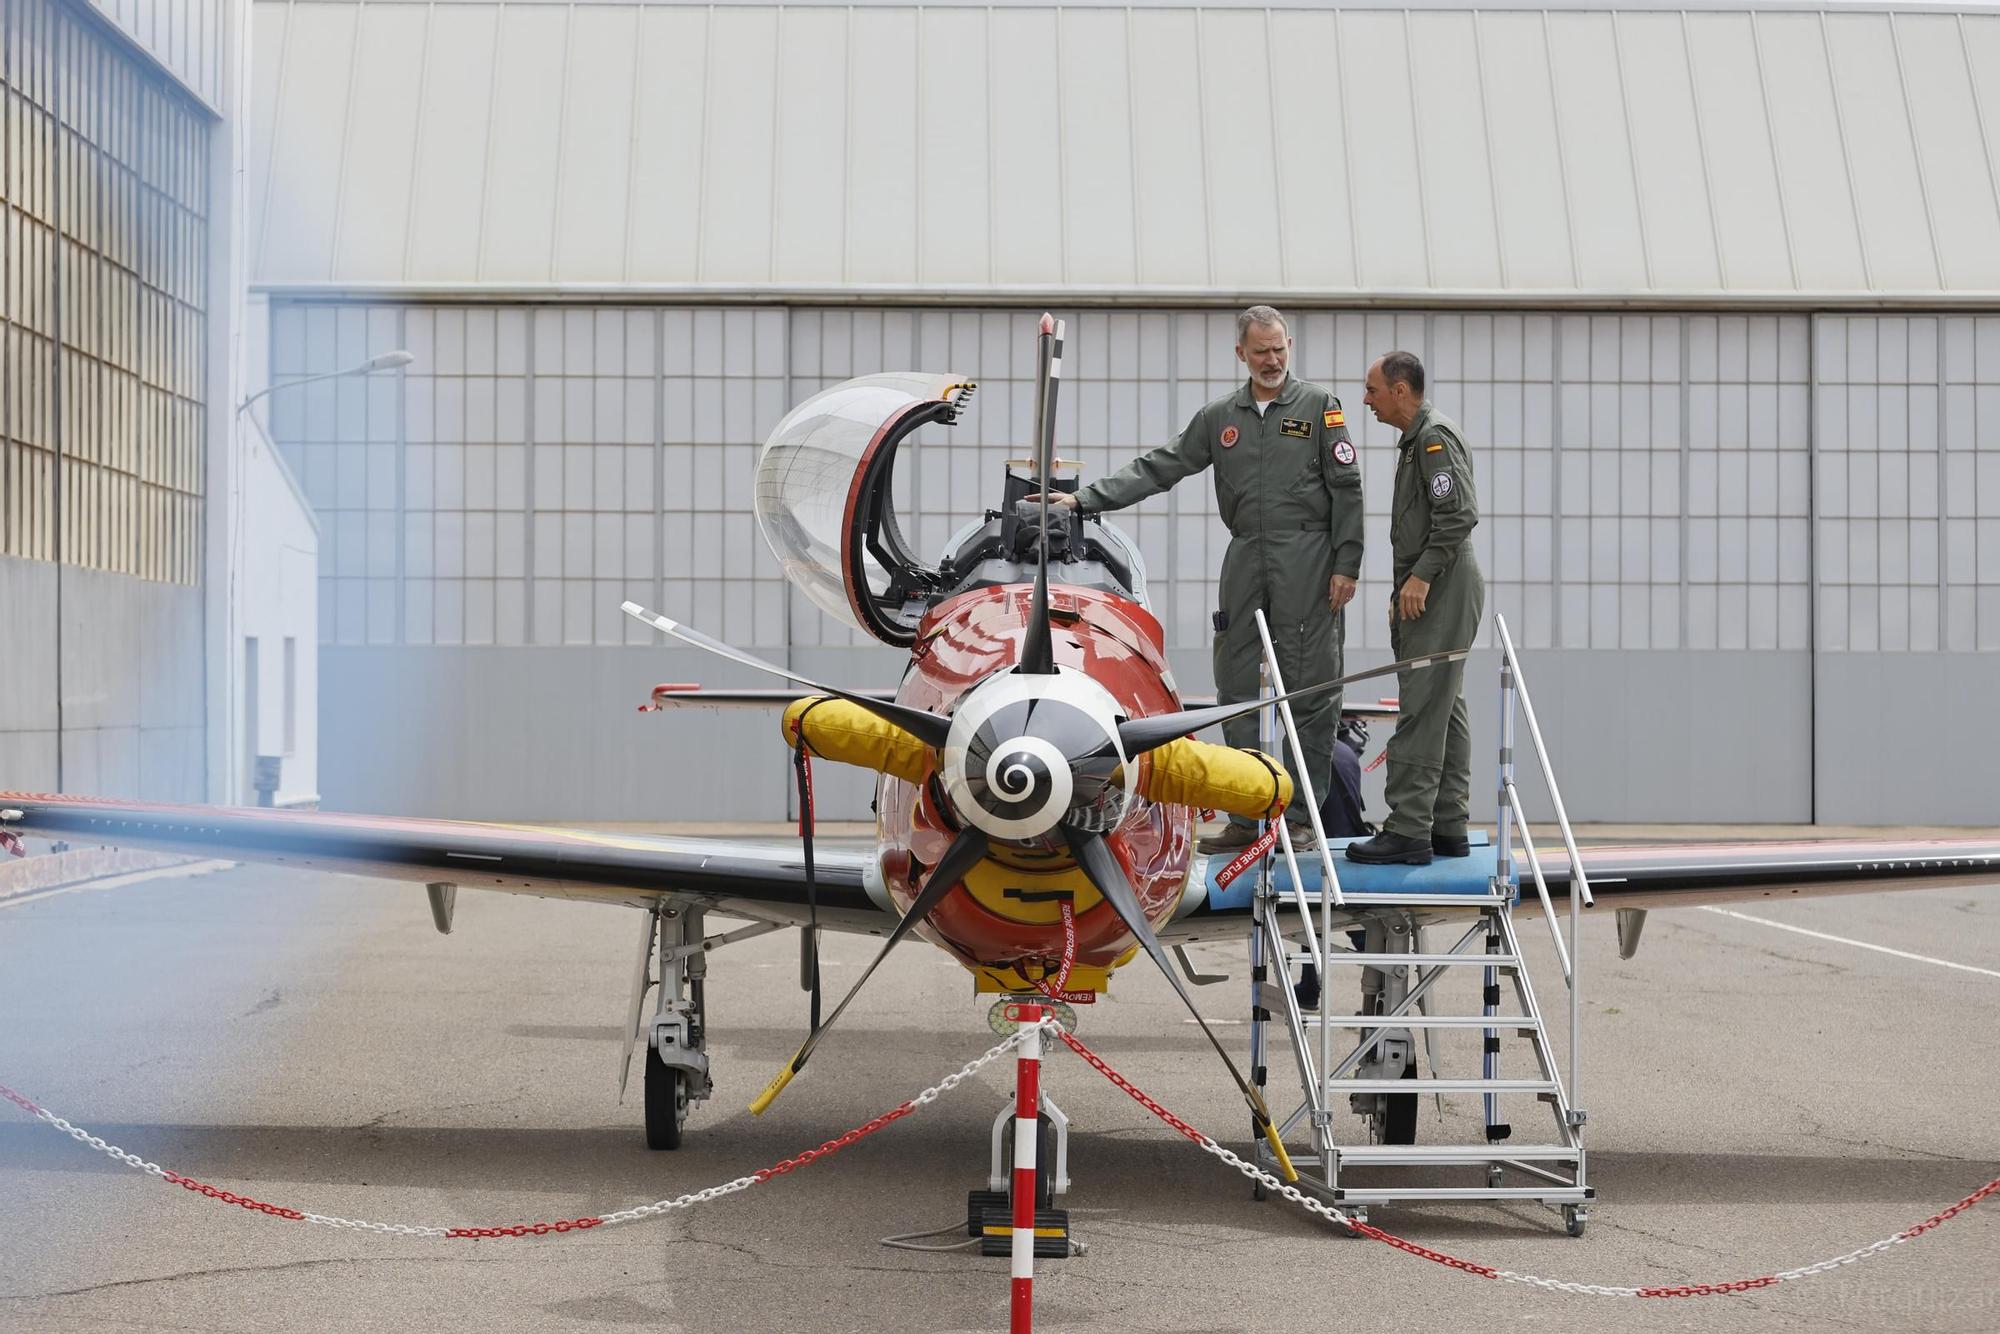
[1235, 837]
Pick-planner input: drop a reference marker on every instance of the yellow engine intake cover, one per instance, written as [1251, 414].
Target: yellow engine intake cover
[846, 732]
[1221, 778]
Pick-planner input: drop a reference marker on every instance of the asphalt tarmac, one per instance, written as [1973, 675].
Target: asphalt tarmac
[1758, 1099]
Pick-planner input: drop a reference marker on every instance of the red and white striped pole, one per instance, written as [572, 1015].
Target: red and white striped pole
[1027, 1115]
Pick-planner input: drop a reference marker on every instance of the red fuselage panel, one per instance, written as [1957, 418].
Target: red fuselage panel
[1005, 914]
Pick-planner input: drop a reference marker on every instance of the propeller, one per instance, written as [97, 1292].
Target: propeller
[1037, 647]
[964, 853]
[1139, 735]
[929, 728]
[1100, 865]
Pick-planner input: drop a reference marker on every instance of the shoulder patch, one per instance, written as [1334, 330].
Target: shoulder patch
[1333, 417]
[1432, 449]
[1343, 452]
[1441, 486]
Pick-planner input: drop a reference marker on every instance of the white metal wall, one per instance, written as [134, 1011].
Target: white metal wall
[1647, 488]
[969, 147]
[186, 37]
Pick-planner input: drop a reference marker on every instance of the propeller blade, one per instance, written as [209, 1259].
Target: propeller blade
[1100, 866]
[960, 857]
[1144, 734]
[1037, 647]
[929, 728]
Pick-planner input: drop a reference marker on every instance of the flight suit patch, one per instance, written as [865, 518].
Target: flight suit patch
[1432, 449]
[1228, 436]
[1333, 417]
[1441, 485]
[1343, 451]
[1297, 427]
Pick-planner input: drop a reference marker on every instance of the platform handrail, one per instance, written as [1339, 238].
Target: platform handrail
[1514, 688]
[1301, 773]
[1577, 877]
[1541, 885]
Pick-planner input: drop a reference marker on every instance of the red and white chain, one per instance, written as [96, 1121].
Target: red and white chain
[653, 1210]
[1353, 1224]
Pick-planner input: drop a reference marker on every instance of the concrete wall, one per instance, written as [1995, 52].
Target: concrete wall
[130, 679]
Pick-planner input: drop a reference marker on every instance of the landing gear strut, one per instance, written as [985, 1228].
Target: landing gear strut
[677, 1038]
[1391, 1117]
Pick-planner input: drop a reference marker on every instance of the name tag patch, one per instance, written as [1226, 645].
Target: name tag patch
[1297, 427]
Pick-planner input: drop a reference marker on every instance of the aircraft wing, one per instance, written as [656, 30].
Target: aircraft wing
[1662, 875]
[744, 880]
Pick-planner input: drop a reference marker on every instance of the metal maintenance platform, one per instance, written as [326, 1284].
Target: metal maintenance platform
[1413, 1000]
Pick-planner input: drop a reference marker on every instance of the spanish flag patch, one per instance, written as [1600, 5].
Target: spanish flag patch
[1432, 449]
[1334, 417]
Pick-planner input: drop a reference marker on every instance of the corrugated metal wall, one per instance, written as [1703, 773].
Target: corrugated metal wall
[1647, 486]
[103, 416]
[1224, 149]
[186, 37]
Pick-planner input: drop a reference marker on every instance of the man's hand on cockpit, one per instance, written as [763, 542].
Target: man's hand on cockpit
[1063, 498]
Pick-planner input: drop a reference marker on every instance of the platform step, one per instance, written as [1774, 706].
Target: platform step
[1548, 1194]
[1353, 899]
[1519, 1021]
[1339, 1086]
[1420, 960]
[1449, 1155]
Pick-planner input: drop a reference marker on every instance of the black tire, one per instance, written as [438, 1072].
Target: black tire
[1399, 1113]
[1045, 1162]
[666, 1102]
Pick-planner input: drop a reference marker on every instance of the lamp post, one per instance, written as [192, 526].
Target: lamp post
[234, 752]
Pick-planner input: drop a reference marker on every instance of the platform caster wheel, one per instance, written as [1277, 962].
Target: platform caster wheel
[666, 1102]
[1257, 1191]
[1574, 1219]
[1493, 1177]
[1359, 1216]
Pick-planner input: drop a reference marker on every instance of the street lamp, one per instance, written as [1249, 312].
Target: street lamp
[388, 361]
[267, 775]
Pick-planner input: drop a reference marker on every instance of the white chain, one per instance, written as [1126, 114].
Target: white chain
[654, 1210]
[1333, 1215]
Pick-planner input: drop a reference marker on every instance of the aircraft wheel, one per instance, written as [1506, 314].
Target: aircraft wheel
[1399, 1113]
[1045, 1162]
[666, 1102]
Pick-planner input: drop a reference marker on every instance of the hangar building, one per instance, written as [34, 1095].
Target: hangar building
[1715, 290]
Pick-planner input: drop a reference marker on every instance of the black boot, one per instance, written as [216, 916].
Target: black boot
[1386, 848]
[1451, 845]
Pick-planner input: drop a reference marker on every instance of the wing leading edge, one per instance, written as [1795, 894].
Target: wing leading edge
[767, 884]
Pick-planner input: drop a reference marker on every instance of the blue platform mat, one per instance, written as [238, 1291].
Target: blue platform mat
[1445, 875]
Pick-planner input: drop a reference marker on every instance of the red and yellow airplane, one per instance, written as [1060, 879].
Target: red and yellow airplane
[1039, 776]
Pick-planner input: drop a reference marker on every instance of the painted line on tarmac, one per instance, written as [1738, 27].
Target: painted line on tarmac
[182, 871]
[1843, 940]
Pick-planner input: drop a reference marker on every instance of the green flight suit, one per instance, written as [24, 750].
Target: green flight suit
[1288, 484]
[1430, 531]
